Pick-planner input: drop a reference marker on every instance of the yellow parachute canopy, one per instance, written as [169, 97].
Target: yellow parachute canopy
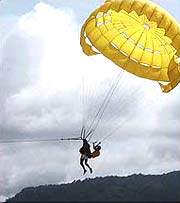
[138, 36]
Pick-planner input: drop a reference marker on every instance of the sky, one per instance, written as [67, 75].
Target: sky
[49, 88]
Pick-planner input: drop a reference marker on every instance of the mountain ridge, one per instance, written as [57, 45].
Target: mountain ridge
[131, 188]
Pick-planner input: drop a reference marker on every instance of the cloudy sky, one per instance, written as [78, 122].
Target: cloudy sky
[49, 88]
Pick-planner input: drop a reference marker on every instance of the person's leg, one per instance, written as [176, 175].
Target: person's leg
[86, 163]
[81, 163]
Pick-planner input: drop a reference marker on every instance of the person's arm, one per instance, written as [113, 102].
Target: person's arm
[94, 146]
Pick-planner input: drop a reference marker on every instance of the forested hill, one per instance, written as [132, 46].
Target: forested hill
[134, 188]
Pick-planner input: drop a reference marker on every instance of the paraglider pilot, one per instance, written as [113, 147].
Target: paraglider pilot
[86, 154]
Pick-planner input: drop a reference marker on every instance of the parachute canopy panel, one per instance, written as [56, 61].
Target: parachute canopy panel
[138, 36]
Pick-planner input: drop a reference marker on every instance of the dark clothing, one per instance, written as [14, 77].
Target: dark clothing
[85, 149]
[85, 154]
